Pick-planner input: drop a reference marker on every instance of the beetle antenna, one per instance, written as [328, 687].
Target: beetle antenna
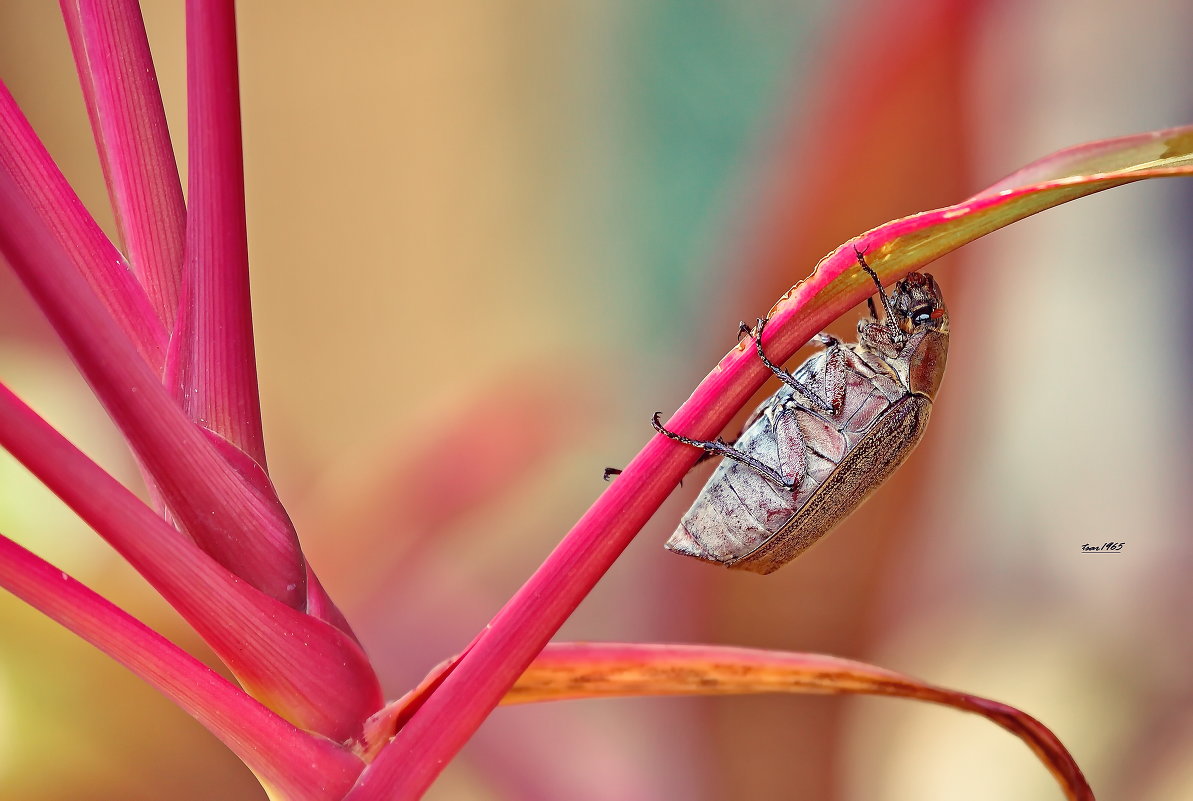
[886, 301]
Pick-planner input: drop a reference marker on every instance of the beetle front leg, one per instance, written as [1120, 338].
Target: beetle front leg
[896, 335]
[720, 447]
[787, 378]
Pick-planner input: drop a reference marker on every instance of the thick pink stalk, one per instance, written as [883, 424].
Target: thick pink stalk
[28, 165]
[244, 527]
[212, 360]
[309, 671]
[129, 123]
[405, 768]
[302, 766]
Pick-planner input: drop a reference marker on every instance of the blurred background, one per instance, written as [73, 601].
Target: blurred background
[489, 240]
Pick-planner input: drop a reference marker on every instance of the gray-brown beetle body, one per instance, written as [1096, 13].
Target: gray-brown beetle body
[867, 408]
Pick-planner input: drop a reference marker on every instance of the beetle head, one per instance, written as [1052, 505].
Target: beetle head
[922, 318]
[918, 305]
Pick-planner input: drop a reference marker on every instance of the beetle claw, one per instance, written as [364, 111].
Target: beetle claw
[826, 339]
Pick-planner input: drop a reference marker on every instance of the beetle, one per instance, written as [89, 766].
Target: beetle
[837, 428]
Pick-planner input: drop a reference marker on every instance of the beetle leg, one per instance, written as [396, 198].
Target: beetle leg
[891, 325]
[786, 377]
[879, 336]
[720, 447]
[823, 338]
[610, 472]
[835, 379]
[791, 448]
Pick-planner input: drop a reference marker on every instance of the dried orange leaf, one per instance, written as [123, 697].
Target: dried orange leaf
[604, 670]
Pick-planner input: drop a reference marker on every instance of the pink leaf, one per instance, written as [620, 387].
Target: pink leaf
[242, 525]
[28, 166]
[308, 670]
[301, 765]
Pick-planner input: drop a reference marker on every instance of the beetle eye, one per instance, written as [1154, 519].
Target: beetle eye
[921, 316]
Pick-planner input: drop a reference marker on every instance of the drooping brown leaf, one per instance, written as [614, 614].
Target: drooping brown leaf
[603, 670]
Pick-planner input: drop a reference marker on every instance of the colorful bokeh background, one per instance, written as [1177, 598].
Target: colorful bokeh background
[490, 239]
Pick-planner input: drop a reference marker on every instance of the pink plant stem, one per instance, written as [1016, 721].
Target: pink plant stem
[214, 364]
[27, 163]
[212, 360]
[305, 767]
[437, 729]
[129, 123]
[407, 766]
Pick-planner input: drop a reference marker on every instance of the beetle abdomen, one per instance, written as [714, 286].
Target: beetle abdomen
[740, 508]
[861, 472]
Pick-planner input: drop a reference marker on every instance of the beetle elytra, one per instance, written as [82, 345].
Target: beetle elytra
[837, 428]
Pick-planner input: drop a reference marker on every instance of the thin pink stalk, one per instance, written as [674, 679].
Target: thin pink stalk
[242, 526]
[129, 124]
[27, 163]
[212, 361]
[406, 767]
[311, 672]
[303, 766]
